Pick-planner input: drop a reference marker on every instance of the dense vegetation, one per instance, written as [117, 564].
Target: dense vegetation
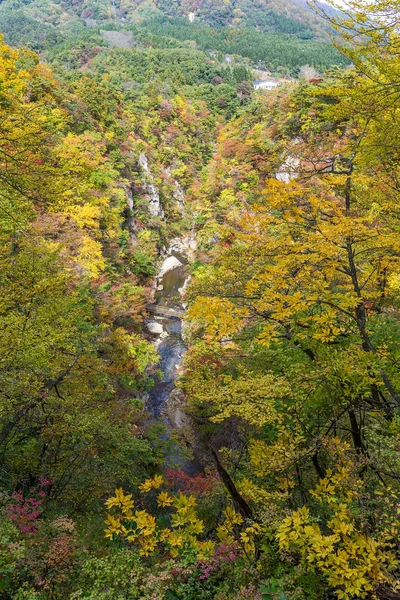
[285, 16]
[290, 387]
[275, 51]
[275, 41]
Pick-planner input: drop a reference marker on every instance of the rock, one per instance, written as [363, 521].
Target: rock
[155, 207]
[169, 264]
[131, 217]
[177, 245]
[160, 288]
[178, 194]
[157, 343]
[182, 245]
[288, 171]
[192, 243]
[155, 327]
[175, 410]
[183, 289]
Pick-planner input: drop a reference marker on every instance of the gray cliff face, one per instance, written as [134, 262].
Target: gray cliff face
[178, 194]
[155, 207]
[289, 169]
[130, 222]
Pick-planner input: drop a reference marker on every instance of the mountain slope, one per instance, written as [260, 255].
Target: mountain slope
[280, 37]
[285, 16]
[282, 16]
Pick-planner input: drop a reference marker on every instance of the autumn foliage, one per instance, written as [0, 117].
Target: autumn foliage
[281, 478]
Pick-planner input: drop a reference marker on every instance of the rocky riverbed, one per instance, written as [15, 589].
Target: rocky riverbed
[166, 328]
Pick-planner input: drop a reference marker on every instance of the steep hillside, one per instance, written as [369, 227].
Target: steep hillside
[199, 302]
[277, 36]
[283, 16]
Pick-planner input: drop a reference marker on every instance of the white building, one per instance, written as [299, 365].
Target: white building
[265, 85]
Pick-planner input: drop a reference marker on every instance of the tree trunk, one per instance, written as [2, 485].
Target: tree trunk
[239, 502]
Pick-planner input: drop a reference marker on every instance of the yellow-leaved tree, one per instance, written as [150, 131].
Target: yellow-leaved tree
[61, 369]
[184, 535]
[294, 317]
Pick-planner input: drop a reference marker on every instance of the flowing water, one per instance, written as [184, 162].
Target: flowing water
[169, 341]
[167, 327]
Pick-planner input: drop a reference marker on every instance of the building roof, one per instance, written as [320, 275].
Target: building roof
[260, 81]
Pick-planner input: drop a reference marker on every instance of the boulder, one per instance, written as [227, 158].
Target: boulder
[155, 327]
[169, 264]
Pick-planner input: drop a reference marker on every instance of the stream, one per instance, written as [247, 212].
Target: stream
[166, 329]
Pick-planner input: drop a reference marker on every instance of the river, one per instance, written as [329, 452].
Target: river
[166, 328]
[168, 340]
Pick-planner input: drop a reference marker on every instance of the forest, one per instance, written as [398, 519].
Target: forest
[199, 300]
[279, 40]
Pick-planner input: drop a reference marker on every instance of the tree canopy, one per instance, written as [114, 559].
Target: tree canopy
[273, 470]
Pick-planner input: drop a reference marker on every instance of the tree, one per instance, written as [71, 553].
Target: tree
[297, 310]
[64, 374]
